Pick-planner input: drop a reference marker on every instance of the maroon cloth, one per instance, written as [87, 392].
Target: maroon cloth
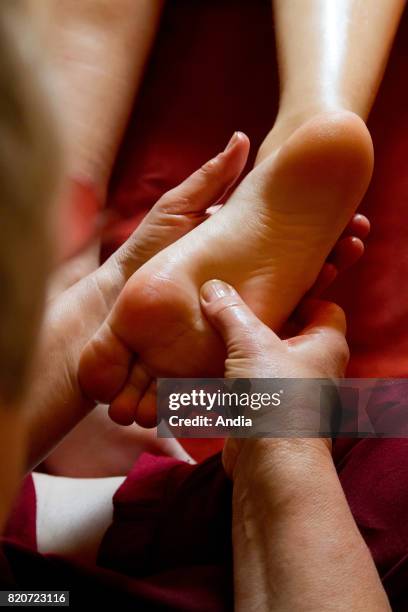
[169, 545]
[171, 516]
[21, 526]
[172, 519]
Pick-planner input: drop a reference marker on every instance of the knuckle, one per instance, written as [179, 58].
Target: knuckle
[344, 352]
[331, 312]
[173, 201]
[336, 362]
[335, 311]
[210, 170]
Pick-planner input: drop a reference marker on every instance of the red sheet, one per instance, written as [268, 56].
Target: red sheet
[212, 72]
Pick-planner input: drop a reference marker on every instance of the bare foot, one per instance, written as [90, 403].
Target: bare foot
[270, 241]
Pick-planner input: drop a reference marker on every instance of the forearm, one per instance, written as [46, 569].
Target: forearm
[296, 545]
[332, 53]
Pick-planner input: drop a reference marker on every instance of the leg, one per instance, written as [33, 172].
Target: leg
[337, 63]
[99, 448]
[98, 50]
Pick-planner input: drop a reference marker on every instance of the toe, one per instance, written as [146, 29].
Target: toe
[104, 365]
[346, 252]
[146, 414]
[123, 408]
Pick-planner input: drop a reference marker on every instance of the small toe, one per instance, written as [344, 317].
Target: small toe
[123, 408]
[146, 413]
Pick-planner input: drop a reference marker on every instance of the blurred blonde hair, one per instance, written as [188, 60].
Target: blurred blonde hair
[29, 170]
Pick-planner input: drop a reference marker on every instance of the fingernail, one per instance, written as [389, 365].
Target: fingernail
[214, 290]
[234, 139]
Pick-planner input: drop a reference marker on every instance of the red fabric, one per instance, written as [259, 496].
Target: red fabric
[21, 527]
[78, 217]
[173, 520]
[171, 516]
[169, 545]
[213, 71]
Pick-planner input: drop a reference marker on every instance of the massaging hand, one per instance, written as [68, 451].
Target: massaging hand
[286, 490]
[56, 403]
[319, 350]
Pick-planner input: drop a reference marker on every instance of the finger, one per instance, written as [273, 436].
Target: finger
[309, 314]
[322, 338]
[315, 314]
[232, 318]
[206, 186]
[172, 448]
[123, 408]
[178, 211]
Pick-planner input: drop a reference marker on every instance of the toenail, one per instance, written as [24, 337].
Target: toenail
[215, 289]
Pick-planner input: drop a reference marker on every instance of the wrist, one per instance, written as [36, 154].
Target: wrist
[280, 470]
